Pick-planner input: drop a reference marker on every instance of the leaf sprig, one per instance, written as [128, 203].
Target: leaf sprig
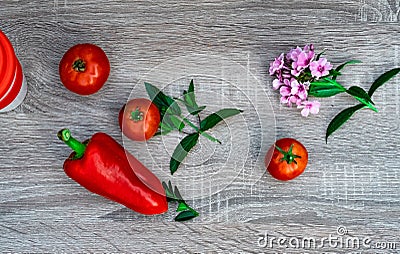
[361, 96]
[173, 120]
[173, 195]
[328, 86]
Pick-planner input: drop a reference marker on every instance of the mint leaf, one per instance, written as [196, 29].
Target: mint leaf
[190, 100]
[173, 194]
[213, 119]
[195, 111]
[168, 192]
[177, 193]
[189, 95]
[186, 215]
[164, 103]
[173, 122]
[385, 77]
[340, 119]
[340, 67]
[361, 95]
[182, 150]
[325, 88]
[182, 207]
[165, 128]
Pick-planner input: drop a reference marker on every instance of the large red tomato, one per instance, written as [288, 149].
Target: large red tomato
[84, 69]
[139, 119]
[288, 159]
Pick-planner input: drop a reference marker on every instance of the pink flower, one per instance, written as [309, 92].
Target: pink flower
[303, 61]
[292, 92]
[309, 47]
[299, 89]
[320, 68]
[309, 107]
[276, 84]
[294, 54]
[276, 65]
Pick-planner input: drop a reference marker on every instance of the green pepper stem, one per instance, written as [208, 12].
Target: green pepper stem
[78, 147]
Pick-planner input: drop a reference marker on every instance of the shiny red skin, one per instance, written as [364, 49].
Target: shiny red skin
[139, 130]
[95, 74]
[107, 169]
[281, 170]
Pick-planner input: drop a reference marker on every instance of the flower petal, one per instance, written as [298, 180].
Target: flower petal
[305, 112]
[276, 84]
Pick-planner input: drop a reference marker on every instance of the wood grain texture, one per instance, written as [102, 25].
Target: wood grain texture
[351, 181]
[380, 11]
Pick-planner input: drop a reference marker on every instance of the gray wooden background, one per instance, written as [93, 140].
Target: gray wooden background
[351, 184]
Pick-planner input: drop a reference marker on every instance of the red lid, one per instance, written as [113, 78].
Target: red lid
[8, 65]
[14, 89]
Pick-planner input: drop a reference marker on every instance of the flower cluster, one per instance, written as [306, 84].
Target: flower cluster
[294, 71]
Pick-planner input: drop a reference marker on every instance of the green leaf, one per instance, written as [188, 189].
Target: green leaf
[361, 95]
[189, 95]
[182, 207]
[182, 150]
[168, 192]
[177, 193]
[163, 102]
[340, 67]
[195, 111]
[213, 119]
[340, 119]
[334, 73]
[165, 126]
[319, 55]
[325, 88]
[385, 77]
[174, 195]
[190, 100]
[164, 129]
[173, 122]
[186, 215]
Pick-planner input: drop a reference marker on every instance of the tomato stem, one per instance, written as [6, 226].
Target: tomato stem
[79, 65]
[78, 147]
[288, 156]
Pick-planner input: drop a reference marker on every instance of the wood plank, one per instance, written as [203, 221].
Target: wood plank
[351, 181]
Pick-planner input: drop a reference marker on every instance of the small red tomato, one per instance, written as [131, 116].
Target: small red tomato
[139, 119]
[286, 159]
[84, 69]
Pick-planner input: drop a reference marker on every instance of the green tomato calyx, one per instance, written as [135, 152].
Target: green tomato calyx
[79, 65]
[288, 156]
[137, 115]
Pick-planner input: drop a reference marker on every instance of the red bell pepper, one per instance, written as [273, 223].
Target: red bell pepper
[104, 167]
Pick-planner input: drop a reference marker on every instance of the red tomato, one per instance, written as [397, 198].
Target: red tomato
[288, 159]
[139, 119]
[84, 69]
